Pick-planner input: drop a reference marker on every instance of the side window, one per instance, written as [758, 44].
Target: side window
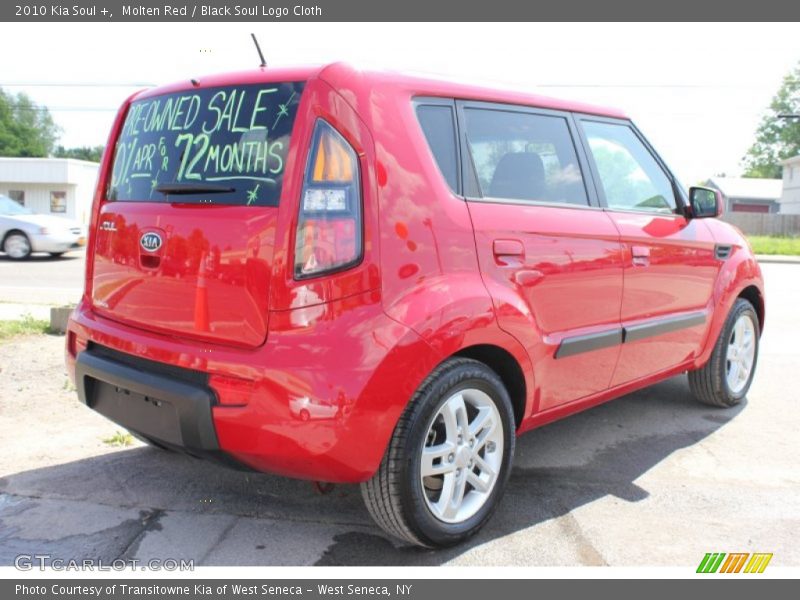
[630, 176]
[524, 156]
[438, 124]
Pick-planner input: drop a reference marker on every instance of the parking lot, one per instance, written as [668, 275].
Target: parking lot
[650, 479]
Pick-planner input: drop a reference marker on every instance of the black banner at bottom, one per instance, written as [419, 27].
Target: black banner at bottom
[364, 589]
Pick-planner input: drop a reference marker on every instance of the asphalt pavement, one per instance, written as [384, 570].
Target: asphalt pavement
[42, 279]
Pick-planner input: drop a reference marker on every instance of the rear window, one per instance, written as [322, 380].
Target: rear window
[524, 156]
[224, 145]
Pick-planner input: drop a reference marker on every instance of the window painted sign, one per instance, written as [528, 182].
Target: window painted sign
[225, 145]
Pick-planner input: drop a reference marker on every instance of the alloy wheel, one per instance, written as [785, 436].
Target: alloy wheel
[462, 456]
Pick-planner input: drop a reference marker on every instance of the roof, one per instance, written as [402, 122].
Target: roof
[748, 187]
[794, 160]
[342, 74]
[45, 170]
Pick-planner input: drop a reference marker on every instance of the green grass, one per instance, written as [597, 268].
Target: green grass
[25, 326]
[766, 244]
[119, 439]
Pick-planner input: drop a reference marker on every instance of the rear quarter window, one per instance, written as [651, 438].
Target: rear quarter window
[223, 145]
[438, 125]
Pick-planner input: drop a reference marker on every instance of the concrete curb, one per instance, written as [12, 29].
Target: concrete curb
[778, 259]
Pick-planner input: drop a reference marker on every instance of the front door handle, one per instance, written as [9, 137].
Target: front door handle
[640, 256]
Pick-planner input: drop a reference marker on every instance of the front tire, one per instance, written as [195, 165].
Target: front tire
[725, 379]
[17, 246]
[448, 460]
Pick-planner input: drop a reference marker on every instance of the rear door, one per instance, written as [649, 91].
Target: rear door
[669, 260]
[550, 256]
[186, 236]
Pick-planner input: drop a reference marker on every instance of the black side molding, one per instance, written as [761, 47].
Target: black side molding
[661, 326]
[632, 333]
[586, 343]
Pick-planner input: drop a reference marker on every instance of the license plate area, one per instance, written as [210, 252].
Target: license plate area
[150, 416]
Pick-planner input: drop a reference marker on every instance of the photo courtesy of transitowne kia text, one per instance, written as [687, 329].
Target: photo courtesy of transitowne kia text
[206, 10]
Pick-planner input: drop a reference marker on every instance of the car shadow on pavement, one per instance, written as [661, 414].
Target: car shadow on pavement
[601, 452]
[43, 258]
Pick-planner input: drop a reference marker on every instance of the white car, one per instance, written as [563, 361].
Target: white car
[23, 232]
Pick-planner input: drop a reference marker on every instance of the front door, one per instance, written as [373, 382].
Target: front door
[669, 260]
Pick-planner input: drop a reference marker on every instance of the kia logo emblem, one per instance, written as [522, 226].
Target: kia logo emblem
[150, 241]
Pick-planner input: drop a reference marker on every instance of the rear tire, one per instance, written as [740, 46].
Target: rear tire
[725, 379]
[449, 458]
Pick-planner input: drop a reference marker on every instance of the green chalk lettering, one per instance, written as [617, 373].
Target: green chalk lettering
[203, 140]
[212, 159]
[144, 158]
[212, 107]
[174, 123]
[258, 108]
[168, 113]
[273, 152]
[192, 111]
[262, 155]
[188, 138]
[238, 128]
[227, 112]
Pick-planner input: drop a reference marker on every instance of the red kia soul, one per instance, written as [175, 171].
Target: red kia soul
[348, 276]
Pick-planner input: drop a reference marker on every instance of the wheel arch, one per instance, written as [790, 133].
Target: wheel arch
[753, 295]
[502, 362]
[13, 231]
[738, 279]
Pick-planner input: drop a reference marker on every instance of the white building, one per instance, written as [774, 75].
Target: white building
[63, 187]
[790, 199]
[745, 194]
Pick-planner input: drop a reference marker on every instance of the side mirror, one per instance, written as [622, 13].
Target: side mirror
[705, 202]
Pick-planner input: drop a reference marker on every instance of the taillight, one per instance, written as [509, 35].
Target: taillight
[329, 230]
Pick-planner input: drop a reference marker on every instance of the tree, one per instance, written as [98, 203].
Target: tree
[25, 128]
[91, 153]
[777, 139]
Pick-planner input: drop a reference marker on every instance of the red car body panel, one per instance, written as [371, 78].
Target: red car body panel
[329, 363]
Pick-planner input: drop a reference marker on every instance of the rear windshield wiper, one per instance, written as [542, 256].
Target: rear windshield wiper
[193, 188]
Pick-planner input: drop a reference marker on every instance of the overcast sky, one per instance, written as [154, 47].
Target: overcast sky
[697, 91]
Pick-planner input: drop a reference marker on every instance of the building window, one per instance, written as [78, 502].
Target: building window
[17, 196]
[58, 202]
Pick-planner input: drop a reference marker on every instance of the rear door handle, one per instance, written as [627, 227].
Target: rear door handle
[508, 248]
[640, 256]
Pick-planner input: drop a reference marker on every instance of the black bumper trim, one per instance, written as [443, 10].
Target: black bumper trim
[171, 413]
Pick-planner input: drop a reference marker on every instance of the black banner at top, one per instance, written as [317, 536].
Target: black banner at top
[244, 11]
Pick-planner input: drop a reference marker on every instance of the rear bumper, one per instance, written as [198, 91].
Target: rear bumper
[169, 411]
[324, 394]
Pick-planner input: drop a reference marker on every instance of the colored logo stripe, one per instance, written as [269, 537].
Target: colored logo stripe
[758, 563]
[734, 562]
[711, 562]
